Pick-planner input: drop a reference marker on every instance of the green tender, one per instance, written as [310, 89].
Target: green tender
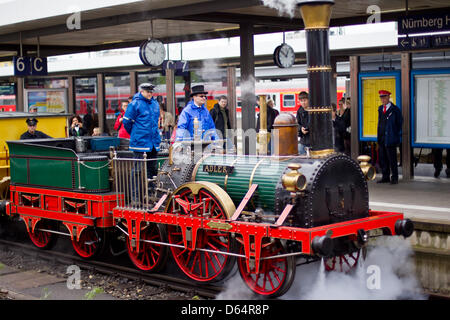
[267, 175]
[44, 166]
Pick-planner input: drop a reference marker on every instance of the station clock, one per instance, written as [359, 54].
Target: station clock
[284, 56]
[152, 52]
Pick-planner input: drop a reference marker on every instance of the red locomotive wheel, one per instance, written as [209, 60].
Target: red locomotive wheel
[203, 266]
[344, 263]
[44, 239]
[151, 256]
[89, 244]
[275, 275]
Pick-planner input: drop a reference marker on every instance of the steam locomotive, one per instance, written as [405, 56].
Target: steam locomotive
[208, 209]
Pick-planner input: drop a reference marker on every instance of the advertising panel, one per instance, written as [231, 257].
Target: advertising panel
[369, 100]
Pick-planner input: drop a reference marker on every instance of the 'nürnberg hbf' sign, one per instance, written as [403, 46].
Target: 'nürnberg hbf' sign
[424, 23]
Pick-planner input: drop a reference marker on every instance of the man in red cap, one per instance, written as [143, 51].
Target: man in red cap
[390, 122]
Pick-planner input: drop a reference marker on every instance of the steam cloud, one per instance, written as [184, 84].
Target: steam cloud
[282, 6]
[392, 256]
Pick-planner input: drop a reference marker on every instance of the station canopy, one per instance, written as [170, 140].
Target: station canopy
[122, 24]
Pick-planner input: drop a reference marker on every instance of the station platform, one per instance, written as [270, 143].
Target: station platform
[423, 198]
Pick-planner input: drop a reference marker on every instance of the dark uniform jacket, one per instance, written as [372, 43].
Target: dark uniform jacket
[36, 135]
[303, 121]
[389, 126]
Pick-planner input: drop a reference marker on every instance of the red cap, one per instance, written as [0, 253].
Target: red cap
[384, 93]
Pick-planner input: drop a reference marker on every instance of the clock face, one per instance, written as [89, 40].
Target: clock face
[285, 56]
[153, 52]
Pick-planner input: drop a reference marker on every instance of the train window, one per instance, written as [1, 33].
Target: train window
[289, 100]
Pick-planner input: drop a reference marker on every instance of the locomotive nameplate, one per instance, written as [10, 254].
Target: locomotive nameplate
[218, 169]
[219, 225]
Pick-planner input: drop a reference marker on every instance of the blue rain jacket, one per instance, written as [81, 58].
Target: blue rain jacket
[185, 127]
[141, 121]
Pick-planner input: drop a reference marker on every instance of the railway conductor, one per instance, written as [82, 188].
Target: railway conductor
[390, 122]
[141, 122]
[32, 133]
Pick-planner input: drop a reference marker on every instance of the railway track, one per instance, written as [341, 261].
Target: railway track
[204, 290]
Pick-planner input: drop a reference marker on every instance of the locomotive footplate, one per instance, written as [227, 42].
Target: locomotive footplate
[252, 234]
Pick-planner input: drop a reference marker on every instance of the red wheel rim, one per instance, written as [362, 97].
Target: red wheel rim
[40, 238]
[88, 244]
[150, 254]
[273, 273]
[344, 263]
[200, 265]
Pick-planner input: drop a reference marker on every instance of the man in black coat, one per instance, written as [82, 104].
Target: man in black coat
[303, 123]
[390, 122]
[32, 133]
[221, 116]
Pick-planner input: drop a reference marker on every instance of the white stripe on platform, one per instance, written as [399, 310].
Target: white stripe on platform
[406, 206]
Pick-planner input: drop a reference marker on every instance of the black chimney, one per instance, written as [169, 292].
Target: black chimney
[316, 16]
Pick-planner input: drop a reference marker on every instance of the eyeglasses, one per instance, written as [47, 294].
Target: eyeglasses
[202, 96]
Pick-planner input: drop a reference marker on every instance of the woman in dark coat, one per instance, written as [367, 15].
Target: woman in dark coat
[76, 127]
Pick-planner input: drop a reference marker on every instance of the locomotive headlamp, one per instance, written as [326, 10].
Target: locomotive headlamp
[294, 180]
[368, 170]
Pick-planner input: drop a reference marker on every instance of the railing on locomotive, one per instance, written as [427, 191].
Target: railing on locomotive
[132, 182]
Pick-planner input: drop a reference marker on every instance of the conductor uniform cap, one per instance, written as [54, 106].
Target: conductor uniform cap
[147, 87]
[31, 121]
[383, 93]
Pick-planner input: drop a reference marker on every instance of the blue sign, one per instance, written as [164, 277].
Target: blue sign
[22, 66]
[423, 42]
[38, 66]
[411, 43]
[30, 66]
[440, 41]
[181, 67]
[424, 23]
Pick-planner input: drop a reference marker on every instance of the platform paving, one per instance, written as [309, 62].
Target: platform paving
[423, 197]
[17, 284]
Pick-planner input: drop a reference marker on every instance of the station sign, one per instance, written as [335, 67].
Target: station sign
[411, 43]
[181, 67]
[423, 23]
[424, 42]
[30, 66]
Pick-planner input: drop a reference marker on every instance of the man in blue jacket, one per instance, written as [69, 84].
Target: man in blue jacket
[196, 109]
[389, 133]
[141, 122]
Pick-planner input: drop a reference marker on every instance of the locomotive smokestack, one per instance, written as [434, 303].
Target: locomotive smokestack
[316, 16]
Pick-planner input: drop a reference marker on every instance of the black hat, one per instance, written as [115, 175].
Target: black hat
[198, 90]
[146, 86]
[31, 121]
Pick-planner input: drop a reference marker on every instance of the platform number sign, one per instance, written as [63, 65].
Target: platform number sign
[30, 66]
[181, 67]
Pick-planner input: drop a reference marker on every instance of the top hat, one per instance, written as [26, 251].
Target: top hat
[31, 121]
[198, 90]
[146, 86]
[384, 93]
